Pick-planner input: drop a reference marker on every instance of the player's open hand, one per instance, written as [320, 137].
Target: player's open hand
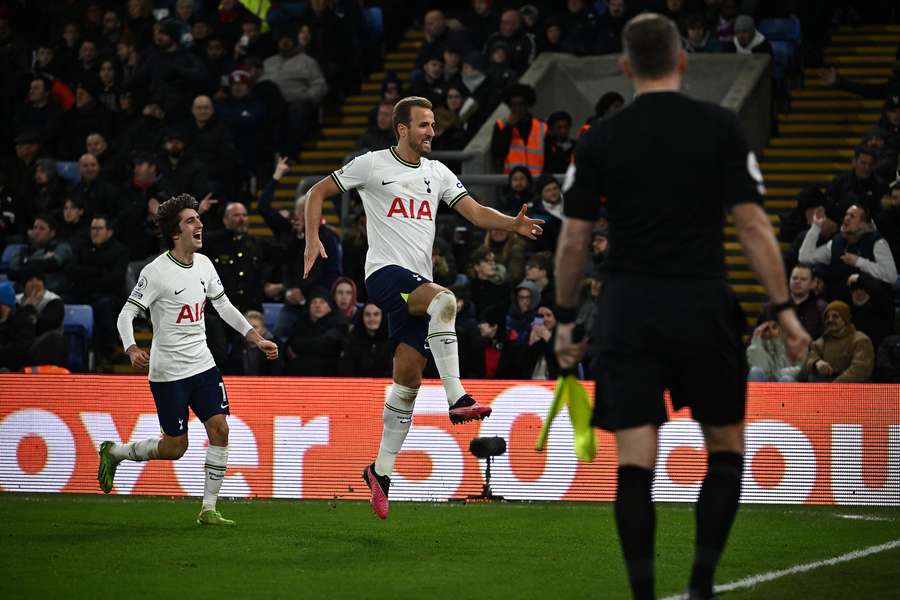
[139, 358]
[314, 249]
[568, 352]
[269, 348]
[527, 227]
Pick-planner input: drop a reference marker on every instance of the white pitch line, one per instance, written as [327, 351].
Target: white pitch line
[753, 580]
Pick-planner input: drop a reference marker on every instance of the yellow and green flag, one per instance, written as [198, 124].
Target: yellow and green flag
[569, 392]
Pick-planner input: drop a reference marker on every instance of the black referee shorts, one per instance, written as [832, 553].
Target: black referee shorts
[658, 334]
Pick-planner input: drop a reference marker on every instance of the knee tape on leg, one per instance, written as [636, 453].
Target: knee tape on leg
[442, 309]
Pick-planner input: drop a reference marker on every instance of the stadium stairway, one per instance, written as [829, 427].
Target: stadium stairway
[815, 140]
[337, 138]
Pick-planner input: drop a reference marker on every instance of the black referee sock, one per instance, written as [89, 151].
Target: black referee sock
[636, 521]
[716, 507]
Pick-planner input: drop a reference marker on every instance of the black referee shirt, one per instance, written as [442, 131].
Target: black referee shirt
[668, 166]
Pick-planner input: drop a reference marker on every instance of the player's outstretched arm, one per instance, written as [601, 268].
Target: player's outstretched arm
[488, 218]
[758, 239]
[313, 214]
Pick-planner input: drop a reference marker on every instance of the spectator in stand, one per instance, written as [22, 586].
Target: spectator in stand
[354, 245]
[210, 143]
[480, 22]
[699, 40]
[170, 73]
[599, 248]
[548, 206]
[551, 37]
[448, 136]
[539, 269]
[531, 16]
[179, 172]
[486, 287]
[111, 30]
[344, 300]
[17, 330]
[676, 11]
[443, 263]
[580, 23]
[887, 360]
[303, 86]
[509, 251]
[481, 91]
[217, 62]
[253, 42]
[588, 297]
[725, 17]
[856, 248]
[608, 104]
[228, 19]
[146, 132]
[747, 39]
[366, 350]
[75, 229]
[109, 91]
[559, 145]
[247, 119]
[48, 189]
[888, 221]
[49, 63]
[269, 94]
[521, 43]
[48, 308]
[290, 230]
[523, 310]
[99, 270]
[889, 128]
[540, 358]
[246, 359]
[380, 134]
[885, 156]
[609, 28]
[136, 228]
[314, 346]
[875, 91]
[834, 215]
[809, 307]
[43, 252]
[842, 354]
[437, 37]
[452, 65]
[71, 41]
[86, 117]
[766, 356]
[872, 307]
[112, 167]
[129, 59]
[39, 114]
[139, 22]
[431, 83]
[21, 178]
[518, 140]
[859, 185]
[88, 66]
[500, 354]
[96, 194]
[799, 219]
[201, 32]
[498, 67]
[519, 190]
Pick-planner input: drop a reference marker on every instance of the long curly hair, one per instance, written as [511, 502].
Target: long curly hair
[168, 216]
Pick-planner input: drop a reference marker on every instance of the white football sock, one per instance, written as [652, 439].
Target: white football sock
[442, 342]
[137, 451]
[216, 462]
[397, 420]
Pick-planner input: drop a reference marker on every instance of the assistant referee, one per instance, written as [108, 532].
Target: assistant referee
[669, 167]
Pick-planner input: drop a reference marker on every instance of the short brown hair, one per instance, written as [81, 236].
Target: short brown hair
[168, 216]
[651, 43]
[403, 110]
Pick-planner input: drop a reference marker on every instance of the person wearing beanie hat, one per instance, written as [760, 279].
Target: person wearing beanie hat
[747, 40]
[314, 346]
[842, 354]
[18, 329]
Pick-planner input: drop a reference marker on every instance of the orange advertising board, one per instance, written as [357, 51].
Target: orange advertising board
[311, 438]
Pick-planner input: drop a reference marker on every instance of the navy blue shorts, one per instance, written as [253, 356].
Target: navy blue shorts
[388, 289]
[203, 392]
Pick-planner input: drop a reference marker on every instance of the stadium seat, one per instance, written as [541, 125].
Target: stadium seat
[8, 253]
[373, 21]
[782, 30]
[271, 310]
[78, 326]
[783, 54]
[69, 171]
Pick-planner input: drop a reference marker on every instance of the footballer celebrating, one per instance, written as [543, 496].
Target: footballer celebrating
[175, 288]
[400, 191]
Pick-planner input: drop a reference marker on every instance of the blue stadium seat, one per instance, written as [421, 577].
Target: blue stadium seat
[78, 326]
[373, 22]
[271, 310]
[782, 30]
[69, 171]
[8, 253]
[783, 54]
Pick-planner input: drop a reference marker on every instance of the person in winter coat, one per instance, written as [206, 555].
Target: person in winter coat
[766, 355]
[842, 354]
[314, 346]
[747, 39]
[523, 309]
[366, 350]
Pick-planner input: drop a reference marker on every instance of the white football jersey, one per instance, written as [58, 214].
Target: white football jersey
[175, 294]
[401, 201]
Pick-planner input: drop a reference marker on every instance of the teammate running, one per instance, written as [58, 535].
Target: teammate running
[174, 288]
[400, 191]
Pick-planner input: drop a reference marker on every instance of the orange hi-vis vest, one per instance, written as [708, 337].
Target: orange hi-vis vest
[522, 154]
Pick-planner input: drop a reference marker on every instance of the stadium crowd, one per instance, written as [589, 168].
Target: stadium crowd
[112, 107]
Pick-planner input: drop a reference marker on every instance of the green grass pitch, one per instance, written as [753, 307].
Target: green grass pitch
[62, 546]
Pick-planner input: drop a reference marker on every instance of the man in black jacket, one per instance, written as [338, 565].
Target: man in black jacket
[17, 330]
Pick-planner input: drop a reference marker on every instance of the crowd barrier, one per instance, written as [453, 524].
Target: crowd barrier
[311, 438]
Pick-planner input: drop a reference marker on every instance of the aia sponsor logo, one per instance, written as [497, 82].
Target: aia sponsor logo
[191, 314]
[410, 209]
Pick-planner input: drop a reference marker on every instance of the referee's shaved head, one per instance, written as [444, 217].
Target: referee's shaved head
[651, 44]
